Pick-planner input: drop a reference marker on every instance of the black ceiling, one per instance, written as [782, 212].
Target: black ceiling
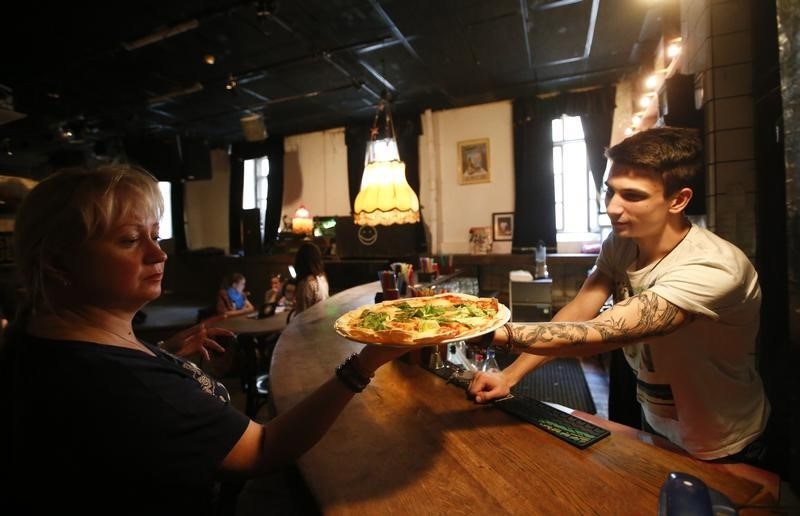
[112, 69]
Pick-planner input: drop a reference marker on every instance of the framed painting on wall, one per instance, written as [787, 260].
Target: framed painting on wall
[473, 162]
[502, 226]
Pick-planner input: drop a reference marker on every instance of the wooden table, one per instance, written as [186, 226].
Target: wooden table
[412, 444]
[255, 344]
[249, 326]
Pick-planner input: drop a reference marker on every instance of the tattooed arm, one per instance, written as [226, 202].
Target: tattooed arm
[594, 292]
[635, 318]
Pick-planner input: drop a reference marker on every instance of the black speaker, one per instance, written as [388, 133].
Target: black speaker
[251, 232]
[676, 107]
[159, 156]
[195, 159]
[398, 240]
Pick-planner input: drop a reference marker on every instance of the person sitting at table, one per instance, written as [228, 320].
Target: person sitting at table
[686, 310]
[273, 294]
[287, 300]
[109, 422]
[231, 298]
[312, 282]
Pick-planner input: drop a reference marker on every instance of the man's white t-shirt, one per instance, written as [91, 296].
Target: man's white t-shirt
[698, 385]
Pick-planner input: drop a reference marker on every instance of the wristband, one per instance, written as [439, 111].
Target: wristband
[347, 373]
[510, 344]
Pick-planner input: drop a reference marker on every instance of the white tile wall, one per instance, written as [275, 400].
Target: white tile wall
[732, 48]
[733, 112]
[730, 16]
[733, 80]
[734, 144]
[736, 177]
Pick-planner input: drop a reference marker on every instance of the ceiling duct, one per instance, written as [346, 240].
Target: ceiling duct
[194, 88]
[161, 35]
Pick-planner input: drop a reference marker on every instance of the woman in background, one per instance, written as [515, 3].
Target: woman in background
[110, 423]
[312, 282]
[275, 287]
[232, 299]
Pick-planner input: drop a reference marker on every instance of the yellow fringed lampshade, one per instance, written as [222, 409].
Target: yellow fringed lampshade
[385, 197]
[302, 223]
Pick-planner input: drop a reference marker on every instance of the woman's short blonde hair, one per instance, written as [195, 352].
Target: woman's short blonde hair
[71, 207]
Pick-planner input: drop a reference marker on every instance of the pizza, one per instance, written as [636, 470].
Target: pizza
[423, 320]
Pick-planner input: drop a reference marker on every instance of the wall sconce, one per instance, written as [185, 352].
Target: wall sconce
[302, 223]
[651, 81]
[385, 197]
[674, 48]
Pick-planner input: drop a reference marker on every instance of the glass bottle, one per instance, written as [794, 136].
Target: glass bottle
[541, 261]
[490, 363]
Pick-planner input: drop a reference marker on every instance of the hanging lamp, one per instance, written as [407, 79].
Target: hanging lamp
[385, 197]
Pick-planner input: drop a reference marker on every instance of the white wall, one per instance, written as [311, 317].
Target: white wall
[450, 208]
[315, 173]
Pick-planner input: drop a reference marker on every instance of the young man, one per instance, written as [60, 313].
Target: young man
[686, 309]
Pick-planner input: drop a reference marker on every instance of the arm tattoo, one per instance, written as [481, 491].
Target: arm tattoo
[656, 316]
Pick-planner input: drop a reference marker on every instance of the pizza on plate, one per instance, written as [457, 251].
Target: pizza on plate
[423, 320]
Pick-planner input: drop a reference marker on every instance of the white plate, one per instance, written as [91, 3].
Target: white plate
[503, 315]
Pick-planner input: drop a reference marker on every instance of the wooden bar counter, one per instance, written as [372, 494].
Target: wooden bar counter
[413, 444]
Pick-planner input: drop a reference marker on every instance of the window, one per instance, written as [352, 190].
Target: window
[575, 194]
[255, 185]
[165, 225]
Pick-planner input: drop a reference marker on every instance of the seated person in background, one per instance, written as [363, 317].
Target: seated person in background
[142, 429]
[686, 310]
[275, 287]
[232, 299]
[312, 283]
[288, 290]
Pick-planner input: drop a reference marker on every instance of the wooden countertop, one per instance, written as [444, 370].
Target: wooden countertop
[410, 443]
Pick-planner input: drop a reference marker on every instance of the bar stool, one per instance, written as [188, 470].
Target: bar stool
[255, 359]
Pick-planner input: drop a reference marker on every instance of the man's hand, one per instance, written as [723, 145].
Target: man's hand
[487, 387]
[199, 339]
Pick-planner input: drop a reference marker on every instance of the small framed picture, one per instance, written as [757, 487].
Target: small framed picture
[502, 226]
[473, 162]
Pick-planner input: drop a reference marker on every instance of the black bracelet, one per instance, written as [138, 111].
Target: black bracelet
[347, 373]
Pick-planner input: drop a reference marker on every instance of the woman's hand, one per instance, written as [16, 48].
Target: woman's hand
[372, 357]
[199, 339]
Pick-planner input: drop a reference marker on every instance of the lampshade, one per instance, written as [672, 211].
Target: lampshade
[253, 128]
[302, 222]
[385, 197]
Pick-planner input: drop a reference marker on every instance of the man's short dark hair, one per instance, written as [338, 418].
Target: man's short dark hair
[674, 152]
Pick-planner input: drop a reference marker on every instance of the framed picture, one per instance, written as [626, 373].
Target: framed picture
[473, 162]
[502, 226]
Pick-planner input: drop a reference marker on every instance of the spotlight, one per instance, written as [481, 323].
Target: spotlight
[231, 84]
